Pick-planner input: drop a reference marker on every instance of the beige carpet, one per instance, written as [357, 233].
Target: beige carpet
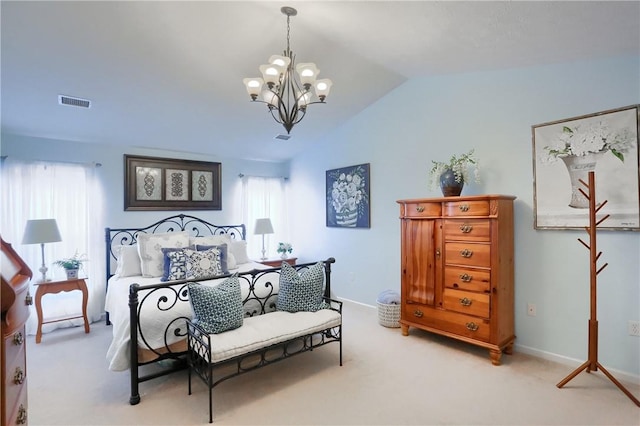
[386, 379]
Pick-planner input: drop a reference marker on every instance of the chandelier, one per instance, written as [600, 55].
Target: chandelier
[287, 94]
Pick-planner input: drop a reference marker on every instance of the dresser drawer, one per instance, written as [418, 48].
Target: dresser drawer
[467, 302]
[468, 229]
[15, 380]
[18, 414]
[469, 254]
[418, 210]
[14, 346]
[466, 208]
[448, 321]
[467, 279]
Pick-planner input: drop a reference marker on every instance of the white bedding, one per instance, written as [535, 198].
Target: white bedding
[153, 319]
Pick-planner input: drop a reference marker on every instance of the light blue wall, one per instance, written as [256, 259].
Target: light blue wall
[431, 119]
[112, 175]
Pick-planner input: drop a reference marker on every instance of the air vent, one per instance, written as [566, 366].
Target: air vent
[76, 102]
[283, 137]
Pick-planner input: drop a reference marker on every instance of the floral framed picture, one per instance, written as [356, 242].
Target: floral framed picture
[152, 183]
[348, 197]
[565, 151]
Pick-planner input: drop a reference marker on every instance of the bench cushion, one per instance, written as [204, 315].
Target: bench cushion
[265, 330]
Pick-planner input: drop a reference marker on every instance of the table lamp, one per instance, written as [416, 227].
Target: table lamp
[41, 231]
[263, 227]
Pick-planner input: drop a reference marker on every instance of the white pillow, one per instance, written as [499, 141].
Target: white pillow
[231, 261]
[150, 250]
[239, 250]
[210, 240]
[128, 261]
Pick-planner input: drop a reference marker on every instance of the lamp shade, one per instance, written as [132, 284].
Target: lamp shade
[38, 231]
[263, 226]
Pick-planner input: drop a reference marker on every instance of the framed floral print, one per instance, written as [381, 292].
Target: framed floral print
[166, 184]
[565, 151]
[348, 196]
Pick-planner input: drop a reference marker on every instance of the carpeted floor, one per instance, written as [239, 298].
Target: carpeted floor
[386, 379]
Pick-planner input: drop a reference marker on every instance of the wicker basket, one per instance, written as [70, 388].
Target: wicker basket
[389, 314]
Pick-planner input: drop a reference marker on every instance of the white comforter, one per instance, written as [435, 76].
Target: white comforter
[153, 318]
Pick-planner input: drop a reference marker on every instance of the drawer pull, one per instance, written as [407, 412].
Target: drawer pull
[418, 313]
[21, 419]
[465, 301]
[18, 339]
[466, 253]
[465, 278]
[437, 252]
[420, 209]
[472, 326]
[466, 228]
[18, 377]
[464, 207]
[28, 300]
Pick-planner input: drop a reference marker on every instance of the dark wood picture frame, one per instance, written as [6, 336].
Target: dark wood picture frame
[348, 195]
[153, 183]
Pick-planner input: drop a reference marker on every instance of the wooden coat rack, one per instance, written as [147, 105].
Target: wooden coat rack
[592, 363]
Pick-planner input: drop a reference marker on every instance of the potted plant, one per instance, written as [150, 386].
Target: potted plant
[452, 175]
[71, 265]
[283, 249]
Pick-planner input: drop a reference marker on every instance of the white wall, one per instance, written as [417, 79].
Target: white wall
[431, 119]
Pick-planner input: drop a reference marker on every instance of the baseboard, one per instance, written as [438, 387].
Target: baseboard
[622, 376]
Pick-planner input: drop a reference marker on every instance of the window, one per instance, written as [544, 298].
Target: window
[71, 194]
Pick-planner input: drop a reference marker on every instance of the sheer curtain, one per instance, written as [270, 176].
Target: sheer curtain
[71, 194]
[265, 197]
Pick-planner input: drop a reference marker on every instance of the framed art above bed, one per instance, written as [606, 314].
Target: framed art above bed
[152, 183]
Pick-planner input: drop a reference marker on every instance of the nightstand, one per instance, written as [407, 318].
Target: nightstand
[52, 287]
[274, 263]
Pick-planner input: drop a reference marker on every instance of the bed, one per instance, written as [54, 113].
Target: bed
[146, 304]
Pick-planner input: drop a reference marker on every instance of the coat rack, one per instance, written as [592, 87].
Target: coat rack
[592, 363]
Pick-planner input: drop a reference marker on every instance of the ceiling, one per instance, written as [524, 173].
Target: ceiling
[169, 75]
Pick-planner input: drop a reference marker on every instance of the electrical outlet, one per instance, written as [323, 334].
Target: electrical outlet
[531, 310]
[634, 328]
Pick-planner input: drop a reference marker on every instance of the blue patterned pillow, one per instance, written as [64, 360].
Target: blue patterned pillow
[175, 265]
[300, 292]
[203, 264]
[217, 309]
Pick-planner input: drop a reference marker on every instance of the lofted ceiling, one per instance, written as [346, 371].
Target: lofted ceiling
[169, 75]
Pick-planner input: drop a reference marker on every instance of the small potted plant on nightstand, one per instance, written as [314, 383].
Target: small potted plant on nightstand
[71, 265]
[283, 249]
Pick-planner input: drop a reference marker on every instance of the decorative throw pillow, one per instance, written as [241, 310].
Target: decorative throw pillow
[224, 255]
[150, 250]
[217, 309]
[175, 264]
[210, 240]
[128, 261]
[203, 264]
[231, 261]
[300, 292]
[239, 251]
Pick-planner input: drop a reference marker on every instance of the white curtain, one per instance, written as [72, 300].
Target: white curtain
[71, 194]
[265, 197]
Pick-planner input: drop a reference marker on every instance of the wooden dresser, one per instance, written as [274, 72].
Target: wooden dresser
[15, 301]
[457, 269]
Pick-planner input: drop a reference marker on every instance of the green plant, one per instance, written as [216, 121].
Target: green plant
[284, 248]
[74, 262]
[459, 165]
